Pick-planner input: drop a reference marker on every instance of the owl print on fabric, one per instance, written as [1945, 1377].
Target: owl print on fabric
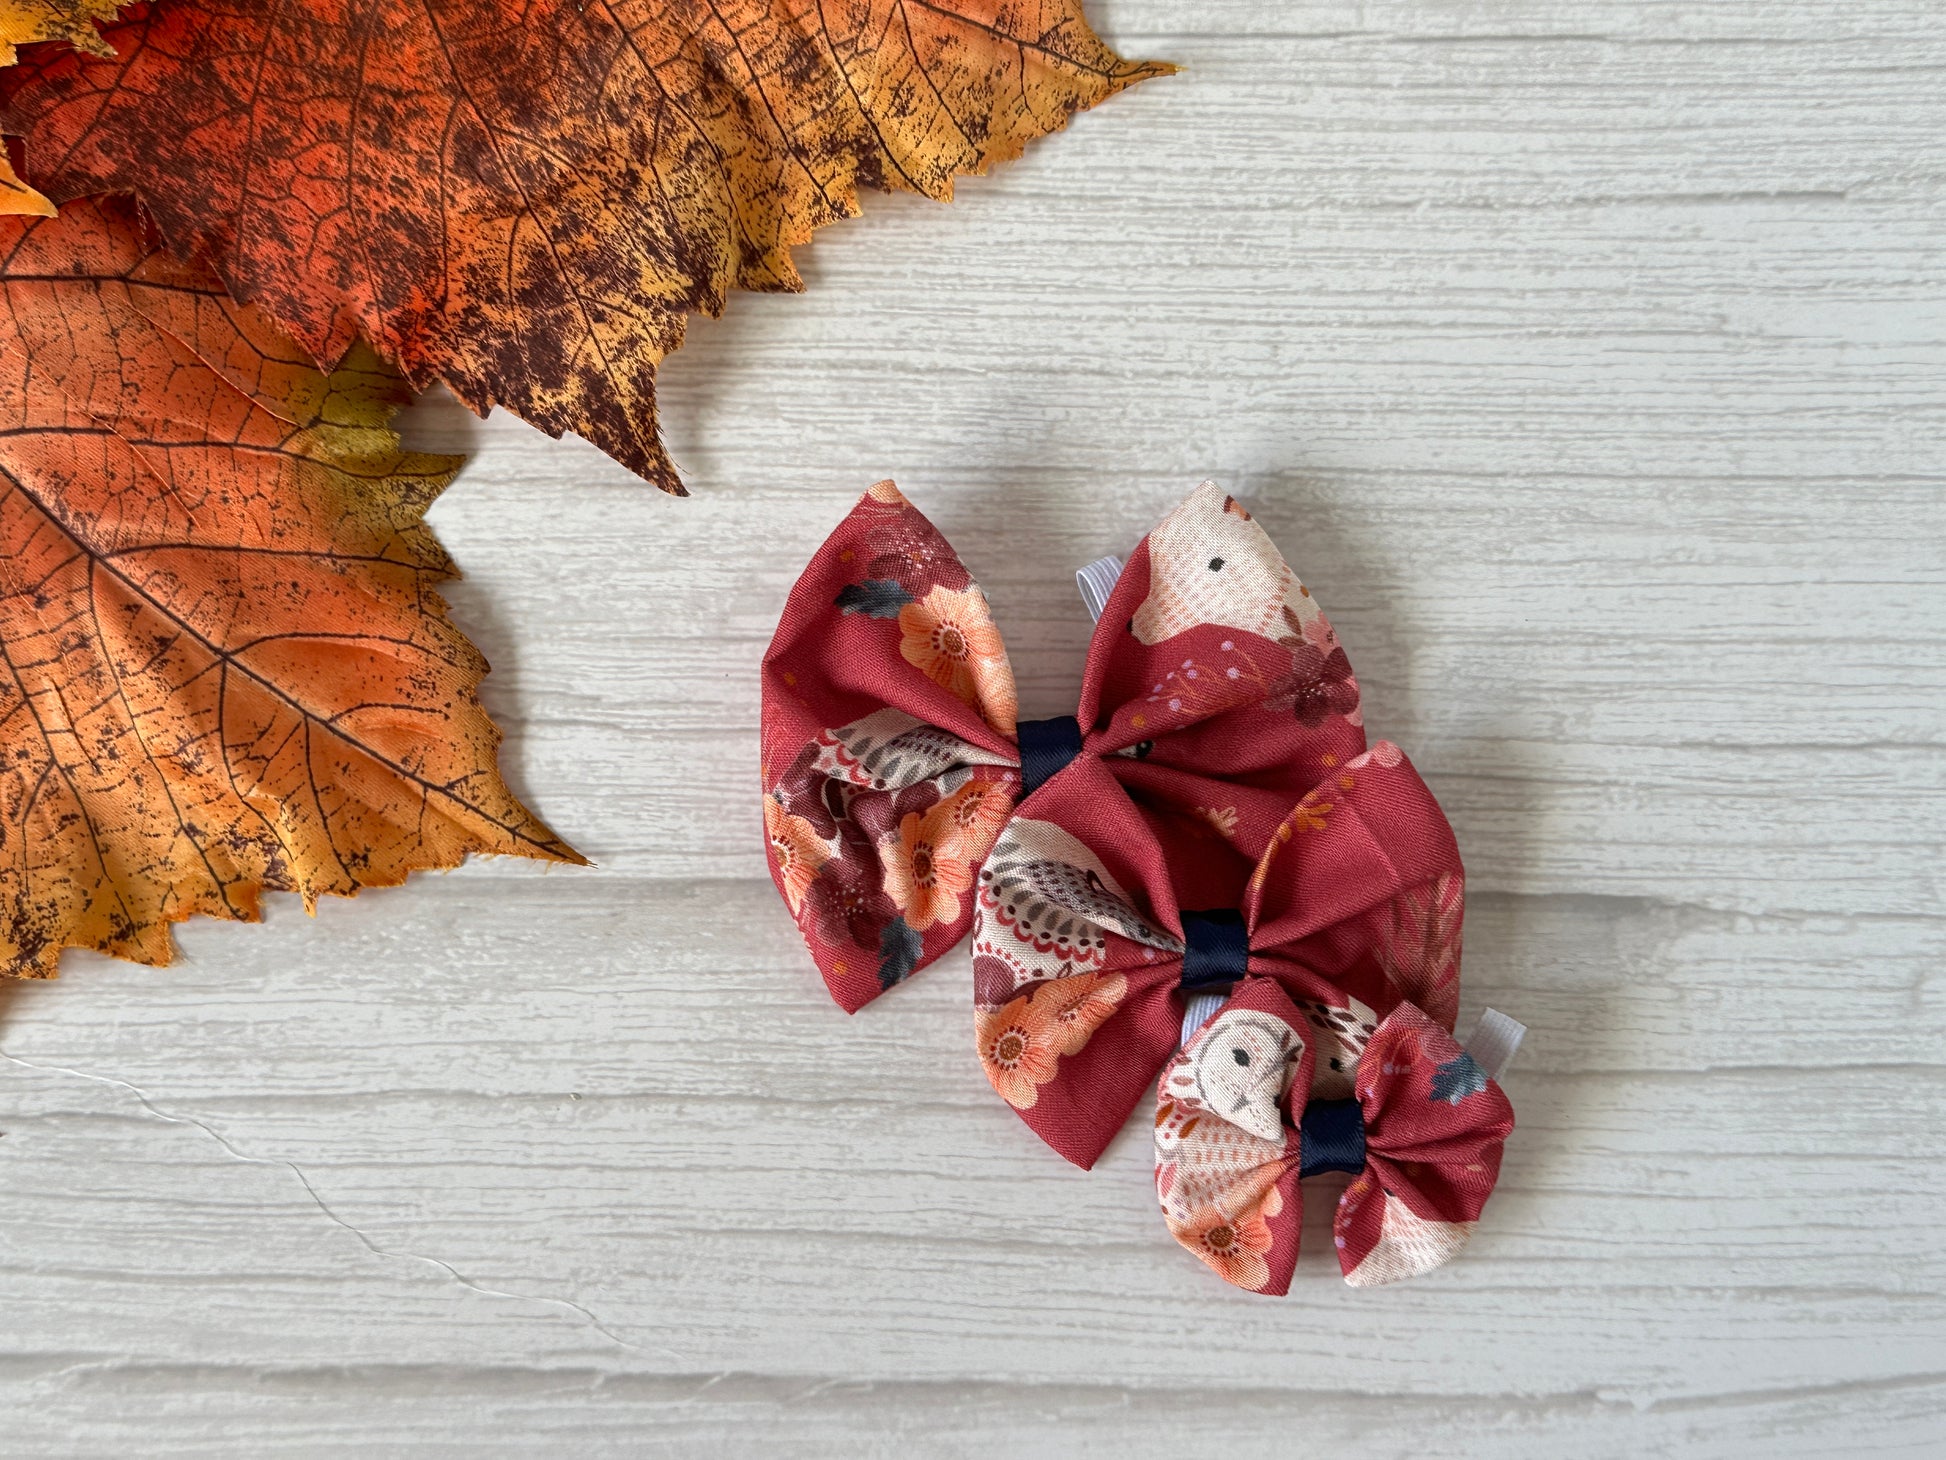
[1211, 564]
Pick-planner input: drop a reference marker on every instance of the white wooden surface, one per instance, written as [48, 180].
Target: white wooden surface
[1588, 357]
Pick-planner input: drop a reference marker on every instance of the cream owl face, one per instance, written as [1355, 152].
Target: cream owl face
[1209, 563]
[1241, 1067]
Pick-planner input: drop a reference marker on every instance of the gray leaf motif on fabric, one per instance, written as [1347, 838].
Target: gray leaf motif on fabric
[875, 598]
[1457, 1078]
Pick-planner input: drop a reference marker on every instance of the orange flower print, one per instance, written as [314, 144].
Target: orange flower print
[1233, 1246]
[977, 811]
[926, 867]
[798, 849]
[1018, 1050]
[1310, 813]
[950, 638]
[1076, 1007]
[1222, 818]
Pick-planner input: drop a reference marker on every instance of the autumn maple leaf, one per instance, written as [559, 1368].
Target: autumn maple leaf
[224, 666]
[527, 200]
[23, 22]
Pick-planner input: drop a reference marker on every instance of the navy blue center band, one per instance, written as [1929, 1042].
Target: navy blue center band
[1216, 949]
[1046, 746]
[1333, 1137]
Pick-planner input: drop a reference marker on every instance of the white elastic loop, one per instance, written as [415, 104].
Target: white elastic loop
[1199, 1010]
[1097, 582]
[1494, 1041]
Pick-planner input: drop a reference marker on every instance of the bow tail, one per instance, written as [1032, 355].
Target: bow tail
[1227, 1157]
[1248, 1234]
[1380, 1239]
[881, 882]
[1435, 1127]
[1073, 983]
[1074, 1056]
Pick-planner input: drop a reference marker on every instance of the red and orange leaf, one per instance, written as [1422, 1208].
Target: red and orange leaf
[527, 198]
[224, 664]
[16, 196]
[24, 22]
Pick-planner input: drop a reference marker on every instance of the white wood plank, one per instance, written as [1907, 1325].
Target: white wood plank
[456, 1412]
[519, 982]
[622, 1231]
[640, 1111]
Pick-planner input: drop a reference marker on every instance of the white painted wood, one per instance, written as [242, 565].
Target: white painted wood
[1589, 360]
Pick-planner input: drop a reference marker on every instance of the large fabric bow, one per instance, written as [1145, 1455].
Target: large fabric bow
[1238, 1125]
[1090, 962]
[1214, 695]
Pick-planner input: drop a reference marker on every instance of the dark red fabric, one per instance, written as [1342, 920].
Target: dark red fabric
[1223, 766]
[1214, 695]
[1353, 909]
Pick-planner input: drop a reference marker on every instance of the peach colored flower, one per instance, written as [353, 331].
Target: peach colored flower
[977, 811]
[1018, 1050]
[926, 867]
[1075, 1007]
[950, 638]
[1385, 753]
[1272, 1203]
[1233, 1246]
[1318, 632]
[797, 849]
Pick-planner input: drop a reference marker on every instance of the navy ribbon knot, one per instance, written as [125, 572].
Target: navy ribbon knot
[1216, 950]
[1046, 746]
[1332, 1137]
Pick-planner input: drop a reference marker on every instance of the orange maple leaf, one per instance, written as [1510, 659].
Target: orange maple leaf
[23, 22]
[224, 666]
[526, 199]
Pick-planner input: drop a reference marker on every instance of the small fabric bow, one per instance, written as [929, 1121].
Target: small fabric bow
[1089, 964]
[1214, 694]
[1237, 1128]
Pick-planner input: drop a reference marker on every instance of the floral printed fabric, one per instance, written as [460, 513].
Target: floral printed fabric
[1230, 1144]
[1209, 830]
[1214, 696]
[1079, 939]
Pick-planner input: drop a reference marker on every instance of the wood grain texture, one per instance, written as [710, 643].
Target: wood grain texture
[1586, 358]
